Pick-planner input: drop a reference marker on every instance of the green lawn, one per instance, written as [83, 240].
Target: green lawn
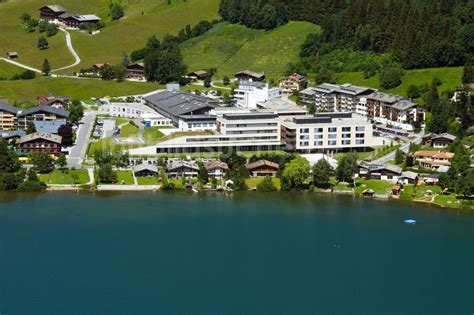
[124, 177]
[380, 187]
[151, 135]
[28, 90]
[121, 121]
[254, 181]
[450, 77]
[58, 177]
[233, 47]
[8, 70]
[147, 180]
[129, 131]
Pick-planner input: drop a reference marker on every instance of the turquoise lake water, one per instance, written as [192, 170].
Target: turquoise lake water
[178, 253]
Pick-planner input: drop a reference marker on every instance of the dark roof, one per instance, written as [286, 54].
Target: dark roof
[197, 118]
[177, 103]
[12, 134]
[55, 8]
[249, 116]
[44, 108]
[256, 75]
[7, 108]
[261, 163]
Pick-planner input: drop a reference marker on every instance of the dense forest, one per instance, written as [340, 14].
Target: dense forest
[414, 34]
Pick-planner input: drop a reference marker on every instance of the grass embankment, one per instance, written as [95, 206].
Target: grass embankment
[233, 47]
[254, 181]
[450, 78]
[58, 177]
[147, 180]
[28, 90]
[151, 135]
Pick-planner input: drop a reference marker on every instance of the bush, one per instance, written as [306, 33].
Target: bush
[390, 78]
[266, 185]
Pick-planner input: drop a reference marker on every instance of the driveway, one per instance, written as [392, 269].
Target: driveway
[79, 150]
[77, 59]
[404, 148]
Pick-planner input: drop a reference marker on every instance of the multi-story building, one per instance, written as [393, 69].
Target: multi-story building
[325, 132]
[293, 82]
[7, 116]
[197, 123]
[240, 132]
[394, 110]
[249, 94]
[334, 97]
[40, 142]
[434, 159]
[40, 113]
[126, 110]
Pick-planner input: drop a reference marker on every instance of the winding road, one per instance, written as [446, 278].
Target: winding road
[77, 59]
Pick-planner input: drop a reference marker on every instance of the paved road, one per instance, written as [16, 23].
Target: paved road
[21, 65]
[79, 150]
[404, 148]
[77, 59]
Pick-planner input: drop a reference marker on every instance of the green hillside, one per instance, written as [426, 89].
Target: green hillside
[28, 90]
[8, 70]
[450, 78]
[142, 19]
[233, 47]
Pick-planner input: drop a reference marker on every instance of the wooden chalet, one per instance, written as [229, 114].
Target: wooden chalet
[145, 170]
[182, 169]
[216, 168]
[438, 140]
[12, 55]
[247, 75]
[263, 168]
[51, 12]
[136, 71]
[40, 142]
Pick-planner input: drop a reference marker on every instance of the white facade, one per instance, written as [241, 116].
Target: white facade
[249, 94]
[197, 123]
[155, 120]
[333, 132]
[125, 110]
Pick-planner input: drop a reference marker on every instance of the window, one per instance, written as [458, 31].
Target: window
[304, 143]
[346, 142]
[318, 130]
[332, 129]
[332, 136]
[360, 141]
[346, 135]
[304, 137]
[332, 142]
[360, 128]
[318, 143]
[346, 129]
[318, 136]
[304, 130]
[360, 135]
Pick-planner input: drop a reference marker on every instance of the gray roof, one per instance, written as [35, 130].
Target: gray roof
[55, 8]
[197, 118]
[409, 175]
[86, 18]
[384, 97]
[12, 134]
[177, 103]
[49, 126]
[253, 74]
[328, 88]
[44, 108]
[444, 135]
[180, 164]
[145, 167]
[41, 135]
[380, 167]
[7, 108]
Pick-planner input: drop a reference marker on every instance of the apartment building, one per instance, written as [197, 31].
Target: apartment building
[40, 113]
[249, 94]
[327, 132]
[126, 110]
[293, 82]
[334, 97]
[394, 110]
[197, 123]
[7, 116]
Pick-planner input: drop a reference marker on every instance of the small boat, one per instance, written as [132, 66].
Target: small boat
[410, 221]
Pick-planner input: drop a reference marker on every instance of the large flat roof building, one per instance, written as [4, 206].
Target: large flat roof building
[173, 104]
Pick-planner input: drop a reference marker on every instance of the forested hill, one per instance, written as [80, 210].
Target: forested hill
[417, 34]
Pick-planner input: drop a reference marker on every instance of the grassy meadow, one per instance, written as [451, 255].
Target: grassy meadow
[28, 90]
[8, 70]
[233, 47]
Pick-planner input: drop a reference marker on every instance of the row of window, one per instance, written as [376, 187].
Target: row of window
[320, 143]
[331, 136]
[333, 129]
